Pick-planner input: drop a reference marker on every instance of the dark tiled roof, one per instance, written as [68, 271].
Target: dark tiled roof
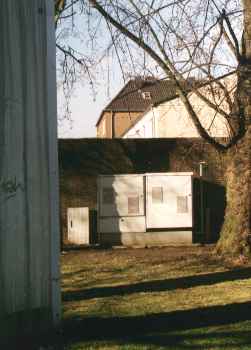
[131, 97]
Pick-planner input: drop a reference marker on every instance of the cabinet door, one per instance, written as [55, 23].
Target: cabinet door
[169, 201]
[121, 196]
[78, 225]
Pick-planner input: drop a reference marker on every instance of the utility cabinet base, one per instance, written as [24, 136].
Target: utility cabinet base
[146, 238]
[159, 209]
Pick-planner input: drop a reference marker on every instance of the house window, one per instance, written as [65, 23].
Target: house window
[133, 205]
[157, 195]
[182, 204]
[108, 196]
[146, 95]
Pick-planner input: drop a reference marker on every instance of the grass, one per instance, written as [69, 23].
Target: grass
[158, 298]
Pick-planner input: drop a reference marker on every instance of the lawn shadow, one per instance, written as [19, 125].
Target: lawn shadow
[74, 273]
[158, 285]
[155, 328]
[196, 340]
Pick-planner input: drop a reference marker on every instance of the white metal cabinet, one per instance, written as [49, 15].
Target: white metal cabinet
[121, 196]
[168, 201]
[122, 224]
[78, 225]
[121, 204]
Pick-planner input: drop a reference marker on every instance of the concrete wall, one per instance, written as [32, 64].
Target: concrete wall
[29, 235]
[147, 239]
[81, 161]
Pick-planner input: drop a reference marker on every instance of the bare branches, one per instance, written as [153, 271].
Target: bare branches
[166, 65]
[186, 39]
[62, 7]
[128, 33]
[229, 43]
[232, 33]
[70, 53]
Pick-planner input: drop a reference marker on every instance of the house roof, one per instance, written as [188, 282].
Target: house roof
[131, 97]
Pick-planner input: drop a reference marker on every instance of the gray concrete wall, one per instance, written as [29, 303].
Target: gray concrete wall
[147, 239]
[29, 239]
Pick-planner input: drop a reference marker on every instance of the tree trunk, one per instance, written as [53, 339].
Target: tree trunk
[236, 232]
[235, 235]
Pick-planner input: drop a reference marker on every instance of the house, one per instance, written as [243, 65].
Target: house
[147, 108]
[129, 105]
[169, 117]
[29, 229]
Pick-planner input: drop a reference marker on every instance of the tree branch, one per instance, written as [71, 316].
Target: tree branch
[183, 95]
[231, 31]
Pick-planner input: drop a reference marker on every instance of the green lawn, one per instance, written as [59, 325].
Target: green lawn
[157, 298]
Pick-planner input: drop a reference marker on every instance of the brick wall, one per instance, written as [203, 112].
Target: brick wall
[122, 121]
[104, 127]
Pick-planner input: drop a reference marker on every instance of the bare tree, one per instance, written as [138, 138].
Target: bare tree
[201, 40]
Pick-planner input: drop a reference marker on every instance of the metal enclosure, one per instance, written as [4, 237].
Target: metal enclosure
[169, 201]
[121, 204]
[78, 225]
[29, 225]
[158, 209]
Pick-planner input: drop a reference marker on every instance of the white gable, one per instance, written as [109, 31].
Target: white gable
[171, 120]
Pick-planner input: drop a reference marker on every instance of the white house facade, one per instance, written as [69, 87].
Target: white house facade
[170, 119]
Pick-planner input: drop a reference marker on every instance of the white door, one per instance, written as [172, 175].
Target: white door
[78, 225]
[169, 201]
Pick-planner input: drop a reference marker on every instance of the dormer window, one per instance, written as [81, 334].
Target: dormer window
[146, 95]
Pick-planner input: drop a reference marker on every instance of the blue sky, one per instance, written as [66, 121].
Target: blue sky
[84, 111]
[85, 108]
[107, 77]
